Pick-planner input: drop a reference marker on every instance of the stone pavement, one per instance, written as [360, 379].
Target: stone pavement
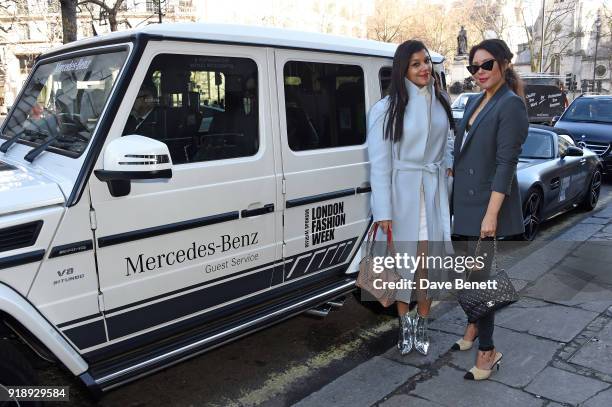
[557, 340]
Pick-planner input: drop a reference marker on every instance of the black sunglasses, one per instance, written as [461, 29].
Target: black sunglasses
[487, 66]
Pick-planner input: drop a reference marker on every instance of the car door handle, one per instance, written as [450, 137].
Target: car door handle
[583, 161]
[364, 188]
[555, 183]
[246, 213]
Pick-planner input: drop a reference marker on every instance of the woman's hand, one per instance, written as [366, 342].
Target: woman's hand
[384, 225]
[488, 228]
[449, 172]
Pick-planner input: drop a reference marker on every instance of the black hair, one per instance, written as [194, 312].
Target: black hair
[398, 95]
[502, 54]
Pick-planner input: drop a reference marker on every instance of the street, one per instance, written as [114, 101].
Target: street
[284, 364]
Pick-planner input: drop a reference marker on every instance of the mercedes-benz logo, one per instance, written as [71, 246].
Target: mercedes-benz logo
[581, 144]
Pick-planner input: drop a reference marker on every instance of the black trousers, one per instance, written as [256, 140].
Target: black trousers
[466, 246]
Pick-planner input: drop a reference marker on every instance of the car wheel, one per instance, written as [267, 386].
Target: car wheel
[15, 370]
[592, 195]
[531, 214]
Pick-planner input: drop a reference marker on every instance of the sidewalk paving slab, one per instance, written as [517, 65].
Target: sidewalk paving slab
[597, 352]
[440, 343]
[363, 386]
[603, 399]
[453, 322]
[449, 388]
[539, 318]
[566, 289]
[565, 387]
[595, 269]
[542, 260]
[524, 356]
[579, 233]
[403, 400]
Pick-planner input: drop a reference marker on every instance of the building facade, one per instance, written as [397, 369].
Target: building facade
[31, 27]
[575, 32]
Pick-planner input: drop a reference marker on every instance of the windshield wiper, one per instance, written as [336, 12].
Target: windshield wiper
[35, 152]
[8, 143]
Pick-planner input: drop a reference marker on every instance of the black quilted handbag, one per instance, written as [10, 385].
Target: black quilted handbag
[478, 303]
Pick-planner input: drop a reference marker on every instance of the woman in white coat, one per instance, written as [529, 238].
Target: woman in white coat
[408, 140]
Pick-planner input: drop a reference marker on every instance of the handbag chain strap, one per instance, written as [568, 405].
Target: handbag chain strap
[493, 263]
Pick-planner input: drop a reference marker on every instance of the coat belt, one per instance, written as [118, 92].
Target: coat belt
[432, 168]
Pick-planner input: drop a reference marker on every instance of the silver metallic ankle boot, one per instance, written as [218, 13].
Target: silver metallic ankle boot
[406, 333]
[421, 336]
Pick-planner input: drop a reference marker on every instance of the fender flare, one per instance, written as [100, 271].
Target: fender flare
[15, 305]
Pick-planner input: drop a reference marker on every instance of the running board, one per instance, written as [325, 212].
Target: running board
[322, 310]
[319, 312]
[109, 379]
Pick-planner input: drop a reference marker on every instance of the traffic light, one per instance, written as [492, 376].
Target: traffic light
[568, 81]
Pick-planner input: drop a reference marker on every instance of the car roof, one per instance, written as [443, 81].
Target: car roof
[251, 35]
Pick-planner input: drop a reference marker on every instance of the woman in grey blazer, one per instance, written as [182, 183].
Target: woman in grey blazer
[486, 202]
[408, 133]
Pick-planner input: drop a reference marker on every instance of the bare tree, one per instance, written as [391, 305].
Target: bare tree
[108, 11]
[558, 35]
[388, 22]
[486, 16]
[8, 16]
[69, 20]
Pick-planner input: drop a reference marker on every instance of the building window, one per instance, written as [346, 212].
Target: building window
[24, 31]
[203, 107]
[185, 6]
[324, 105]
[26, 62]
[555, 64]
[152, 6]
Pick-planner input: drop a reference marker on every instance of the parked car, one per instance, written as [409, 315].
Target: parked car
[555, 176]
[182, 186]
[588, 119]
[459, 104]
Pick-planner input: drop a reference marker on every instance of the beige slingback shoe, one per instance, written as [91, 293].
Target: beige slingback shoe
[483, 374]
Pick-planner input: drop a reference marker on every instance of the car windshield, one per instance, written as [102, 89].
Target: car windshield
[62, 103]
[538, 145]
[590, 110]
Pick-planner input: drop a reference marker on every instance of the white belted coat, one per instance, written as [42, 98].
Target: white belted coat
[399, 170]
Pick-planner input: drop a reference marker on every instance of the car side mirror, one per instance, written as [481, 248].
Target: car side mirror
[555, 119]
[133, 157]
[572, 151]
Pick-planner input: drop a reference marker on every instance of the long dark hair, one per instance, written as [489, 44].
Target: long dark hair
[398, 95]
[502, 54]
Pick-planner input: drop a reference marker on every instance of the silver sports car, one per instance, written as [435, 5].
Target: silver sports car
[555, 176]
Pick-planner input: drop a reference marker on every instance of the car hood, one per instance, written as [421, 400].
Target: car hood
[591, 131]
[22, 189]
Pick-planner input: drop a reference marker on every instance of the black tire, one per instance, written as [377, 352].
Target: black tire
[531, 213]
[589, 202]
[375, 306]
[15, 370]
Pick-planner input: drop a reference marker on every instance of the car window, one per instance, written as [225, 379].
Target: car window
[563, 144]
[203, 107]
[324, 105]
[63, 102]
[590, 110]
[537, 145]
[567, 139]
[385, 80]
